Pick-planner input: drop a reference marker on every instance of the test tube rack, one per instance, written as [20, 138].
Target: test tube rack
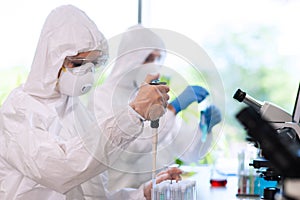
[182, 190]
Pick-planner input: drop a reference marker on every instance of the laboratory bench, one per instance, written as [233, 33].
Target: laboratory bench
[202, 176]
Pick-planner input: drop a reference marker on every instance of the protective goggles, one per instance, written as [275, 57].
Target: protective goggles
[77, 62]
[156, 57]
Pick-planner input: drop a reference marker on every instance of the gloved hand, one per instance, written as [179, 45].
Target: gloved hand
[151, 100]
[172, 173]
[188, 96]
[209, 118]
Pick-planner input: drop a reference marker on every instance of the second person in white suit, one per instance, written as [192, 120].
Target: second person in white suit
[141, 52]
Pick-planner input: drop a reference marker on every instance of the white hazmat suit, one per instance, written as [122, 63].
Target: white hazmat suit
[175, 139]
[49, 143]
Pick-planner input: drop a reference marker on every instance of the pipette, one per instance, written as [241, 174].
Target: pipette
[154, 125]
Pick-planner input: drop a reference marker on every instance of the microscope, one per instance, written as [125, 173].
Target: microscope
[278, 117]
[284, 128]
[281, 152]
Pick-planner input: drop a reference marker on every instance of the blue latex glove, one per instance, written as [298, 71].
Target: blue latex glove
[209, 118]
[188, 96]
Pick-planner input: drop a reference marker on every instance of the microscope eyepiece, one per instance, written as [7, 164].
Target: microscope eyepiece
[239, 95]
[242, 96]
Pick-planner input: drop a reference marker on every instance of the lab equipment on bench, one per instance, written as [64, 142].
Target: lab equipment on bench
[276, 134]
[282, 153]
[182, 190]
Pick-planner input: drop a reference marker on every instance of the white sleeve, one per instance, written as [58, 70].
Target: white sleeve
[197, 149]
[117, 132]
[143, 144]
[128, 193]
[96, 188]
[186, 142]
[60, 162]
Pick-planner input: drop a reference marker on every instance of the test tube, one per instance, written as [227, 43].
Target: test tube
[203, 126]
[160, 192]
[195, 190]
[172, 191]
[168, 190]
[154, 192]
[177, 191]
[183, 191]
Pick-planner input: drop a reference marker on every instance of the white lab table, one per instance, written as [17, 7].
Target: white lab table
[206, 192]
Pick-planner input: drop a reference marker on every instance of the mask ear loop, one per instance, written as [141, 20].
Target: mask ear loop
[62, 69]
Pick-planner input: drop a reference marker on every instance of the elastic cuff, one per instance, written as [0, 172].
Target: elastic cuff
[176, 105]
[133, 112]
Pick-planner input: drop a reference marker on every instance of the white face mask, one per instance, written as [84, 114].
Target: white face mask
[76, 81]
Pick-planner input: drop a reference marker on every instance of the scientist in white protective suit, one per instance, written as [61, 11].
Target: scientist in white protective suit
[141, 52]
[50, 146]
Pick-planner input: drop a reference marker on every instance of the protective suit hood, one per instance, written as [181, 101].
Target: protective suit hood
[136, 44]
[67, 31]
[120, 85]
